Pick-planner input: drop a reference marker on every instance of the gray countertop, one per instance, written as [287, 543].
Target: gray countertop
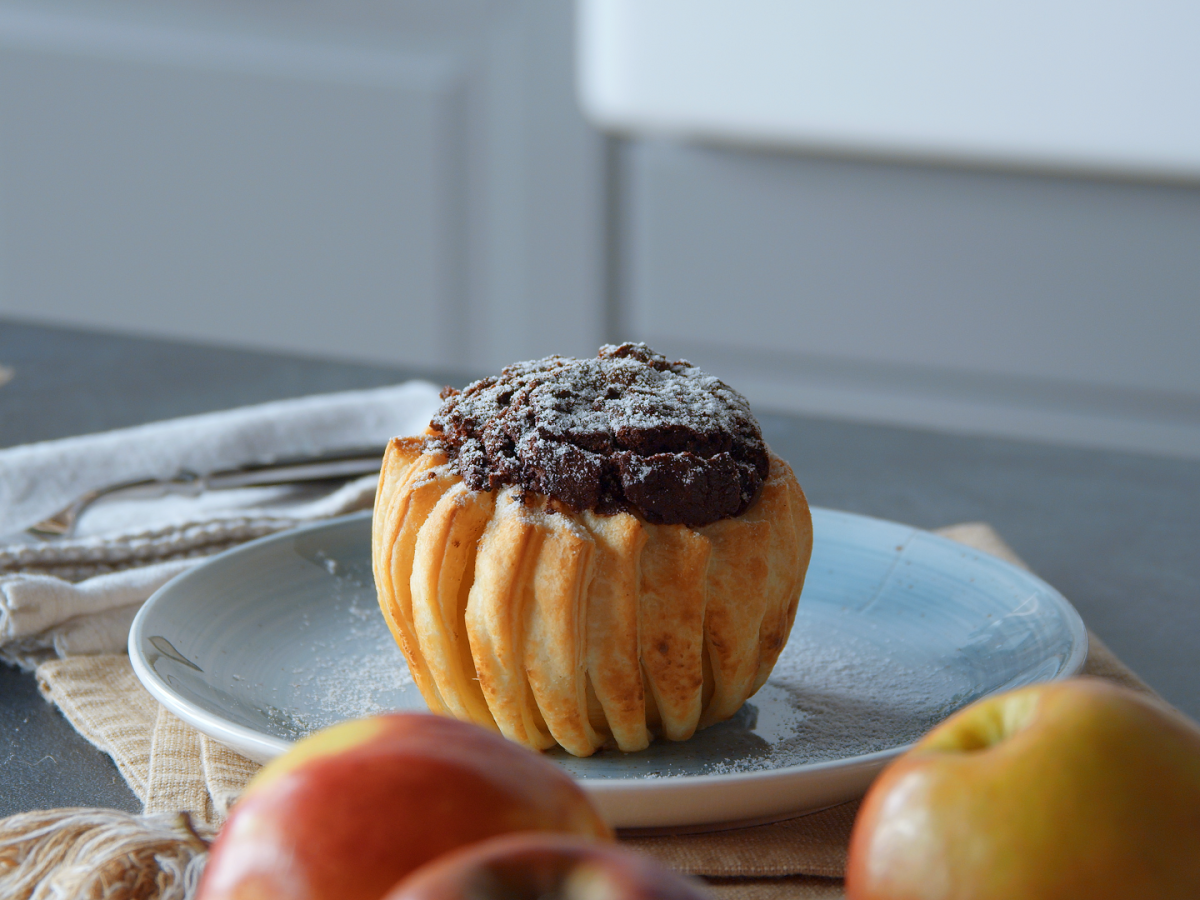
[1117, 533]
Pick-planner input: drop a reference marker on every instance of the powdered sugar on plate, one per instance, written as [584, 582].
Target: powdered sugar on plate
[353, 667]
[834, 694]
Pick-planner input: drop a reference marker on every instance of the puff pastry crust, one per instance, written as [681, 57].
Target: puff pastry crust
[578, 629]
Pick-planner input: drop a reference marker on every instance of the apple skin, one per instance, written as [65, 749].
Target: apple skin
[1070, 789]
[537, 866]
[349, 811]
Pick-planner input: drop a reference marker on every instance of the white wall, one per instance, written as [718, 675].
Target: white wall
[384, 181]
[408, 182]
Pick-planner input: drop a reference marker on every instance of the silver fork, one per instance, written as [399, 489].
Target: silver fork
[340, 465]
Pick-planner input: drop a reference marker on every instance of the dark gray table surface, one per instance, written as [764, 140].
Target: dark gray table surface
[1117, 533]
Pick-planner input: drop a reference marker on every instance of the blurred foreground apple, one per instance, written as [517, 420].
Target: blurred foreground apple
[541, 866]
[349, 811]
[1071, 789]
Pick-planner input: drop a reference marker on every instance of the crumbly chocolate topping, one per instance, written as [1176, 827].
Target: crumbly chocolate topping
[627, 430]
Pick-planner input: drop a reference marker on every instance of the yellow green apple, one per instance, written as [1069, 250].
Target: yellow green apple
[349, 811]
[1069, 789]
[533, 866]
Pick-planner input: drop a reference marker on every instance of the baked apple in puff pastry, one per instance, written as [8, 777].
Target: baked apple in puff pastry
[590, 552]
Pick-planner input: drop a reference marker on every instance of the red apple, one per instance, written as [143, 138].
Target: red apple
[349, 811]
[538, 866]
[1071, 789]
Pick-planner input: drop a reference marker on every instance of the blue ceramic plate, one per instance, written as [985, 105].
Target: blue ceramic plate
[897, 628]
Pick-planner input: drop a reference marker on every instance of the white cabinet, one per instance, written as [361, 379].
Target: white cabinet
[1110, 86]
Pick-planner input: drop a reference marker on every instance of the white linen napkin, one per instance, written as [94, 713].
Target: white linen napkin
[42, 617]
[37, 480]
[78, 596]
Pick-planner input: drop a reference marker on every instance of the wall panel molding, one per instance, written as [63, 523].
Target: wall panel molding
[112, 33]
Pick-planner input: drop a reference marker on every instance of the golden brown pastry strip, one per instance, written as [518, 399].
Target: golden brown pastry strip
[671, 624]
[613, 651]
[496, 610]
[555, 633]
[446, 549]
[422, 483]
[791, 549]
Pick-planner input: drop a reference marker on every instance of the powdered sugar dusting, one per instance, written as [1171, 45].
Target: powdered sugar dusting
[840, 688]
[832, 699]
[629, 429]
[353, 667]
[834, 694]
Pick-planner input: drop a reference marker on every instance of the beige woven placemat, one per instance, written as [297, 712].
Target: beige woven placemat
[172, 767]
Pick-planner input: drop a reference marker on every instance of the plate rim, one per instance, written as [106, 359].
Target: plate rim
[600, 787]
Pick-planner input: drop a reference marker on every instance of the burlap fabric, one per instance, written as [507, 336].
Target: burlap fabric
[172, 767]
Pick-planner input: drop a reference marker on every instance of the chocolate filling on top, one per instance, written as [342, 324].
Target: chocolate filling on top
[629, 430]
